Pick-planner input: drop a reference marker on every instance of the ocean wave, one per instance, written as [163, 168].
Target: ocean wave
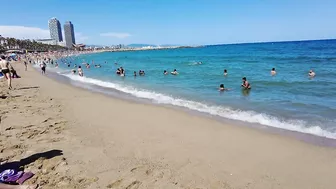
[195, 63]
[225, 112]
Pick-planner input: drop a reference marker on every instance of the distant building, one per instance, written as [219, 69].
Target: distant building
[47, 41]
[3, 41]
[55, 30]
[62, 44]
[69, 34]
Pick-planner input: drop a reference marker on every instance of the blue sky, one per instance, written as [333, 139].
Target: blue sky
[192, 22]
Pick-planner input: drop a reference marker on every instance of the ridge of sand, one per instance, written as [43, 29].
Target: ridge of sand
[111, 143]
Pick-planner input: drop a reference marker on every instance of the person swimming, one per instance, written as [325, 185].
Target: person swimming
[134, 74]
[245, 84]
[141, 72]
[225, 73]
[273, 72]
[174, 72]
[311, 73]
[165, 72]
[118, 71]
[97, 66]
[222, 88]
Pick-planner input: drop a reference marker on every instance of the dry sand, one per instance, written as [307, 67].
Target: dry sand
[111, 143]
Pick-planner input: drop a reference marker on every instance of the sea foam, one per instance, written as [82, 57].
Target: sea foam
[225, 112]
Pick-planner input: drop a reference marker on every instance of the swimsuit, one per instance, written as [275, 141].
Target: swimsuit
[5, 71]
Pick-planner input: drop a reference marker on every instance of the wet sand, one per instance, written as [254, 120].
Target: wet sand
[113, 143]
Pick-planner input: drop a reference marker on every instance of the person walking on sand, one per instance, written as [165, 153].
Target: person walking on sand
[5, 69]
[25, 64]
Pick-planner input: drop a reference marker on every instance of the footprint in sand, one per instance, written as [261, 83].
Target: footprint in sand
[134, 185]
[115, 184]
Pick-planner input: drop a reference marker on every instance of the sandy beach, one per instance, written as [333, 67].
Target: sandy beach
[89, 140]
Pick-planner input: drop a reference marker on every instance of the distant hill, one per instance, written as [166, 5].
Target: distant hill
[94, 46]
[169, 45]
[141, 45]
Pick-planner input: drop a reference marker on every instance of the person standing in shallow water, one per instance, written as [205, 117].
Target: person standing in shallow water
[273, 72]
[225, 73]
[80, 71]
[311, 73]
[245, 84]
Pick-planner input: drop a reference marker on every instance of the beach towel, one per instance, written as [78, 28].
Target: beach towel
[10, 175]
[13, 176]
[25, 176]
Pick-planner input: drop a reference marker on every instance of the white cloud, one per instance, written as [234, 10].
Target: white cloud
[23, 32]
[80, 38]
[116, 35]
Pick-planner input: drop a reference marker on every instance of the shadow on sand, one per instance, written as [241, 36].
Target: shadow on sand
[7, 96]
[25, 88]
[18, 165]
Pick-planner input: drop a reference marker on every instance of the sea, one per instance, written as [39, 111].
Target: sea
[290, 100]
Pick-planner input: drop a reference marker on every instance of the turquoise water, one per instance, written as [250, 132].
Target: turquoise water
[289, 100]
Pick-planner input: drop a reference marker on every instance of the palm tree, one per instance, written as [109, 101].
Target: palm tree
[29, 45]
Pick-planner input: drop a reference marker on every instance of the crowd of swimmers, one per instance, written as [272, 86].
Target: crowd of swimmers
[121, 72]
[247, 86]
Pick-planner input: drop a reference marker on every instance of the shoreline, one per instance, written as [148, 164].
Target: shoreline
[114, 93]
[127, 144]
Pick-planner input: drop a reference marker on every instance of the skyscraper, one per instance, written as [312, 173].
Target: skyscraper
[69, 34]
[55, 30]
